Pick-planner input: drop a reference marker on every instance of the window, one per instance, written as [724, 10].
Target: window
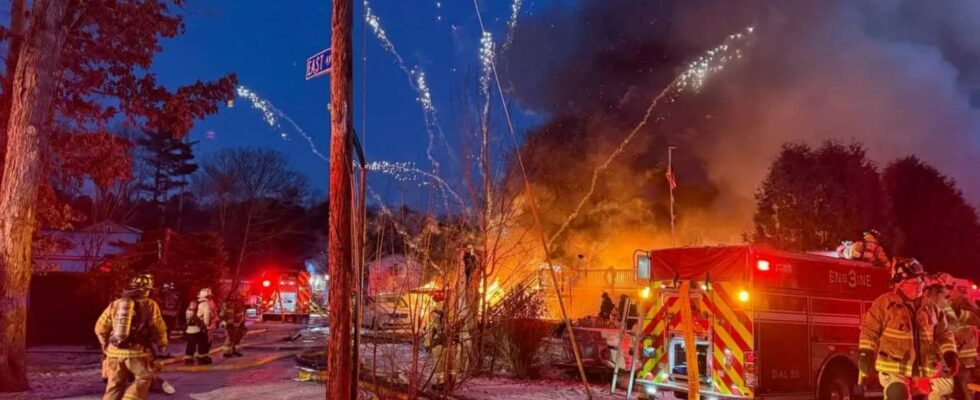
[643, 266]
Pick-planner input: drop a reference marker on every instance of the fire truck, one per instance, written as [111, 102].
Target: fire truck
[284, 295]
[765, 323]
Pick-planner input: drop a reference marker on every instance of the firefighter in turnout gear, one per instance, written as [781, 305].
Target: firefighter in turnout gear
[233, 319]
[868, 249]
[443, 347]
[127, 330]
[202, 320]
[964, 317]
[907, 336]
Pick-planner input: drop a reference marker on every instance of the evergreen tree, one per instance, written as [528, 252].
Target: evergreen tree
[814, 199]
[938, 226]
[167, 163]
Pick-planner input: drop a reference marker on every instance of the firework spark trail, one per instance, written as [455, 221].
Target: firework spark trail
[402, 172]
[269, 112]
[306, 136]
[693, 78]
[409, 239]
[407, 172]
[416, 80]
[273, 115]
[515, 10]
[486, 62]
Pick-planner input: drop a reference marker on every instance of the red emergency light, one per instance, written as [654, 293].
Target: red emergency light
[762, 265]
[266, 283]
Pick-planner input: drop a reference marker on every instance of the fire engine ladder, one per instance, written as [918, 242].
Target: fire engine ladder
[622, 334]
[637, 335]
[275, 298]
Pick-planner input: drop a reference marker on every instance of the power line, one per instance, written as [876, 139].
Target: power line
[534, 213]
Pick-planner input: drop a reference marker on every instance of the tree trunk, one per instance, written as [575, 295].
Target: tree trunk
[17, 18]
[27, 130]
[340, 263]
[242, 250]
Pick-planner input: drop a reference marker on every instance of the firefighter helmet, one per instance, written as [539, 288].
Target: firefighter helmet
[873, 233]
[906, 268]
[204, 293]
[140, 282]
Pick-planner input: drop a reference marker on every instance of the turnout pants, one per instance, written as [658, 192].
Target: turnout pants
[898, 387]
[446, 361]
[198, 344]
[233, 336]
[129, 378]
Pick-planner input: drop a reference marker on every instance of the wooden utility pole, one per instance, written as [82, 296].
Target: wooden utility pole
[34, 87]
[340, 253]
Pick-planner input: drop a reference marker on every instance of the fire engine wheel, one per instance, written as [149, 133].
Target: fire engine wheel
[837, 386]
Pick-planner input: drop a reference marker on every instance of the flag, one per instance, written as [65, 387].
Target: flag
[670, 178]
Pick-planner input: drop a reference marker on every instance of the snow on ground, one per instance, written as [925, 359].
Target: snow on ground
[269, 381]
[66, 373]
[506, 389]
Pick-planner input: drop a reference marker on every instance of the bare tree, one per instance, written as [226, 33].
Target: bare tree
[252, 190]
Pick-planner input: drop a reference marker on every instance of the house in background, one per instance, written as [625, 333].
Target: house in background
[59, 280]
[85, 249]
[392, 274]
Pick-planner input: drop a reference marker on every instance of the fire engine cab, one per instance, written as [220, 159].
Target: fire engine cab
[764, 323]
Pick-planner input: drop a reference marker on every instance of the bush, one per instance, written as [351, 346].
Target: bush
[517, 330]
[520, 340]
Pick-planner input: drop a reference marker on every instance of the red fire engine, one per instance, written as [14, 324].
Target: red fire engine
[766, 324]
[283, 295]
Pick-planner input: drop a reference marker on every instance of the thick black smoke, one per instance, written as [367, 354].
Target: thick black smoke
[894, 75]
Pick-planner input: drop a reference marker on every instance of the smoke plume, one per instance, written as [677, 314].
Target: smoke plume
[894, 75]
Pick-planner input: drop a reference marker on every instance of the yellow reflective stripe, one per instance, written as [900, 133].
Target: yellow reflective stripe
[947, 347]
[866, 344]
[124, 353]
[896, 334]
[968, 352]
[893, 367]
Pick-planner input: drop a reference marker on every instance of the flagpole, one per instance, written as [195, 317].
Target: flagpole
[670, 170]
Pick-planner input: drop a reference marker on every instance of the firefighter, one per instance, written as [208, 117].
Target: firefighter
[606, 307]
[443, 349]
[963, 318]
[201, 323]
[128, 330]
[435, 342]
[869, 249]
[906, 333]
[233, 319]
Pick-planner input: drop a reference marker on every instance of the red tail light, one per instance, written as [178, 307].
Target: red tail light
[762, 265]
